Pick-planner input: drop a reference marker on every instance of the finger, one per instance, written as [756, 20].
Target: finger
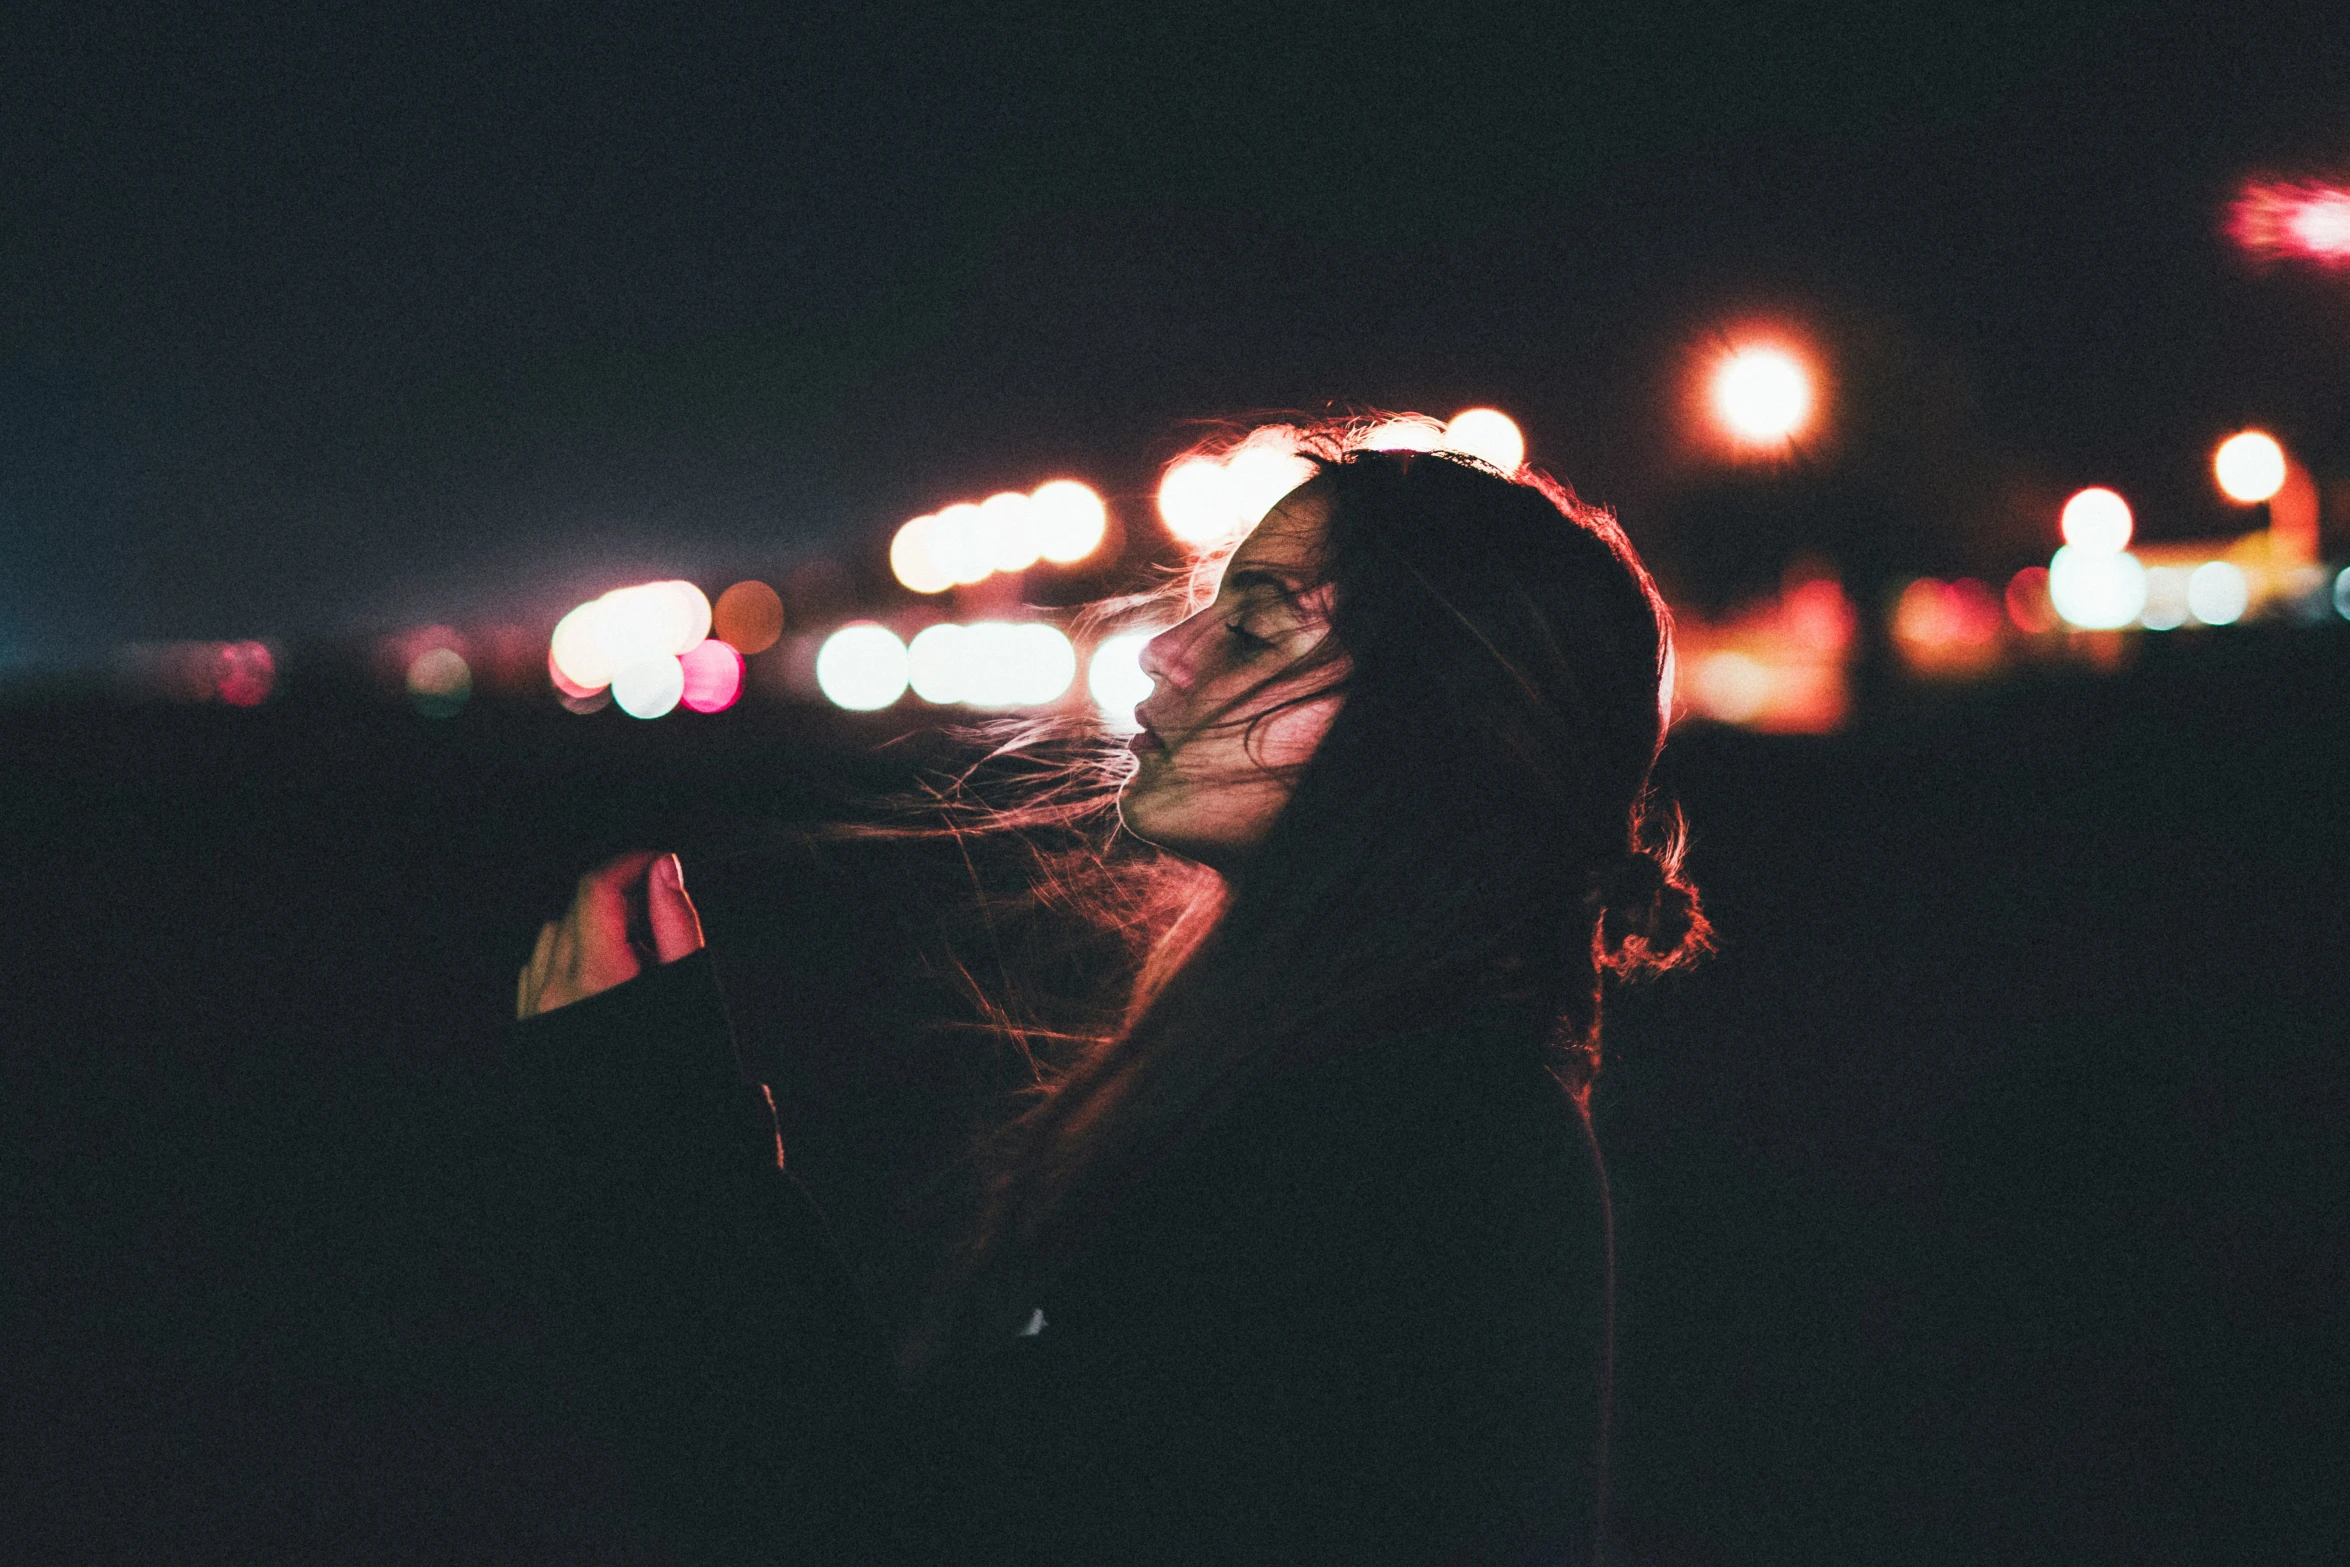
[533, 978]
[677, 925]
[601, 955]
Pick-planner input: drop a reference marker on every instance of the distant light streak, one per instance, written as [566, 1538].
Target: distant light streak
[2293, 220]
[1061, 521]
[1762, 396]
[1733, 687]
[1489, 435]
[1070, 520]
[2097, 521]
[913, 557]
[244, 673]
[1114, 679]
[626, 627]
[862, 667]
[2250, 467]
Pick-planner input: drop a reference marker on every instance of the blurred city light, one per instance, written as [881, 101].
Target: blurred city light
[1945, 629]
[1207, 502]
[2029, 608]
[1487, 434]
[1778, 664]
[2342, 593]
[2250, 467]
[627, 627]
[991, 664]
[650, 687]
[244, 673]
[2293, 220]
[2097, 522]
[439, 682]
[748, 617]
[2096, 589]
[1406, 433]
[1761, 395]
[2166, 598]
[713, 675]
[1114, 679]
[862, 667]
[1070, 520]
[1061, 521]
[2217, 593]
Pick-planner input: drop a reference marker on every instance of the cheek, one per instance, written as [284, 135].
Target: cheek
[1290, 737]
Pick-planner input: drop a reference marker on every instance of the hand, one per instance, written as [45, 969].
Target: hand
[589, 949]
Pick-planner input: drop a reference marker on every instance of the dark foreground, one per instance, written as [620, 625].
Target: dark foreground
[1984, 1200]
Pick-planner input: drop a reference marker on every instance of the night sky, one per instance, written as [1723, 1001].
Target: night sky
[320, 319]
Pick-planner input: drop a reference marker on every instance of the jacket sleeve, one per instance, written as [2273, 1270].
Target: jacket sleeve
[701, 1322]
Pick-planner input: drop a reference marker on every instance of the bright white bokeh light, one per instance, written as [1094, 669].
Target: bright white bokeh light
[1196, 501]
[1762, 396]
[1070, 520]
[2218, 593]
[2097, 590]
[1410, 433]
[959, 547]
[649, 687]
[2166, 599]
[934, 663]
[632, 625]
[862, 667]
[1260, 473]
[1010, 531]
[2250, 467]
[1114, 678]
[1006, 664]
[575, 652]
[1489, 435]
[912, 561]
[2096, 521]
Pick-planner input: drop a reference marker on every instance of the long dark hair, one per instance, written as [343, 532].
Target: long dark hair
[1476, 829]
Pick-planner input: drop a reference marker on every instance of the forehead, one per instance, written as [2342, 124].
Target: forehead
[1289, 540]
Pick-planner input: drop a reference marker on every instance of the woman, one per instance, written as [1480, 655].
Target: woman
[1307, 1258]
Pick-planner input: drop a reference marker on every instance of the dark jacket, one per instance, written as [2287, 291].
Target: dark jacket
[1361, 1318]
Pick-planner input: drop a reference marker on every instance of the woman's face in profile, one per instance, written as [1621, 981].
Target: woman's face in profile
[1219, 748]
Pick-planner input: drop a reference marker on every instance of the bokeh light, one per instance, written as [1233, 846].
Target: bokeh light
[2342, 593]
[2166, 599]
[2097, 590]
[748, 617]
[2096, 521]
[934, 664]
[627, 626]
[1114, 679]
[862, 667]
[1729, 686]
[1489, 435]
[913, 558]
[2218, 593]
[1008, 533]
[1070, 520]
[244, 673]
[1406, 433]
[439, 682]
[2028, 606]
[1015, 665]
[2250, 467]
[1195, 501]
[649, 687]
[1761, 395]
[713, 672]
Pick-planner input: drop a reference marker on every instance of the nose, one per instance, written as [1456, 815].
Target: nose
[1167, 657]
